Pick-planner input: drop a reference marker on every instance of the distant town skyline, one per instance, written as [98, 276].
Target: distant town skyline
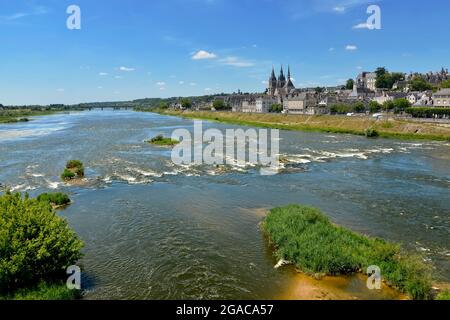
[164, 48]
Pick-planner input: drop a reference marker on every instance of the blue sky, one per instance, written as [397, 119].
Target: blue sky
[159, 48]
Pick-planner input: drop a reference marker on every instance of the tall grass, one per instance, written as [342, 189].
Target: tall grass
[306, 237]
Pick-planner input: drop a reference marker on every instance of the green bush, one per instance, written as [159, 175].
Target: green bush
[371, 133]
[306, 237]
[35, 244]
[67, 175]
[428, 112]
[74, 168]
[57, 199]
[444, 295]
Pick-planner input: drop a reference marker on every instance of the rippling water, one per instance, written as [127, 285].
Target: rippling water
[154, 230]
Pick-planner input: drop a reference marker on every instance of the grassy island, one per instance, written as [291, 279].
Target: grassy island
[305, 237]
[74, 169]
[358, 125]
[162, 141]
[55, 199]
[36, 247]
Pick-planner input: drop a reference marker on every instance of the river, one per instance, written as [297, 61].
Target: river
[154, 230]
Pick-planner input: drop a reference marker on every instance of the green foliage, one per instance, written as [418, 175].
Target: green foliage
[306, 237]
[350, 83]
[74, 168]
[371, 133]
[163, 105]
[162, 141]
[444, 295]
[388, 105]
[220, 105]
[359, 107]
[44, 291]
[428, 112]
[340, 108]
[385, 79]
[400, 105]
[374, 107]
[67, 175]
[276, 108]
[446, 84]
[419, 84]
[56, 199]
[35, 243]
[186, 103]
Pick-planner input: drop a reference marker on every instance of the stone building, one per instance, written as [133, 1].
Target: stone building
[282, 86]
[442, 98]
[367, 80]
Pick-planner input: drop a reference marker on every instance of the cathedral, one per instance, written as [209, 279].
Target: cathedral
[282, 86]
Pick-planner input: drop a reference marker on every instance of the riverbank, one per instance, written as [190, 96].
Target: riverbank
[400, 129]
[20, 115]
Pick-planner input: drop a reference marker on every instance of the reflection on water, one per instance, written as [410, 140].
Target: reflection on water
[156, 230]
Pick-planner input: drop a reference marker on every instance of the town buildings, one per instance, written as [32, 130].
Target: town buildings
[442, 98]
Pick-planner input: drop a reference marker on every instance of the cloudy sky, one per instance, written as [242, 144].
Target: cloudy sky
[159, 48]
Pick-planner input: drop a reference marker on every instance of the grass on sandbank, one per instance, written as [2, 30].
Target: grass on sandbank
[400, 129]
[162, 141]
[306, 237]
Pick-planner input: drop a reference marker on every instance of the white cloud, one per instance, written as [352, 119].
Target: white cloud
[126, 69]
[339, 9]
[181, 82]
[193, 84]
[236, 62]
[363, 25]
[99, 87]
[351, 47]
[161, 84]
[102, 74]
[331, 49]
[36, 11]
[202, 55]
[118, 77]
[60, 90]
[208, 89]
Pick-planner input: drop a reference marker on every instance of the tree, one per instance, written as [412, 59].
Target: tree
[35, 243]
[381, 71]
[400, 105]
[163, 105]
[419, 84]
[219, 104]
[374, 107]
[445, 84]
[340, 108]
[186, 103]
[359, 107]
[388, 105]
[350, 84]
[276, 108]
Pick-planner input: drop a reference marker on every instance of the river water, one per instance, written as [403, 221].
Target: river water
[154, 230]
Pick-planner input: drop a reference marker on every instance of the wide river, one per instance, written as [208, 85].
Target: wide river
[155, 230]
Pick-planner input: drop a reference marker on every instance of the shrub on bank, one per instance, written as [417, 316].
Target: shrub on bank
[35, 244]
[371, 133]
[306, 237]
[56, 199]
